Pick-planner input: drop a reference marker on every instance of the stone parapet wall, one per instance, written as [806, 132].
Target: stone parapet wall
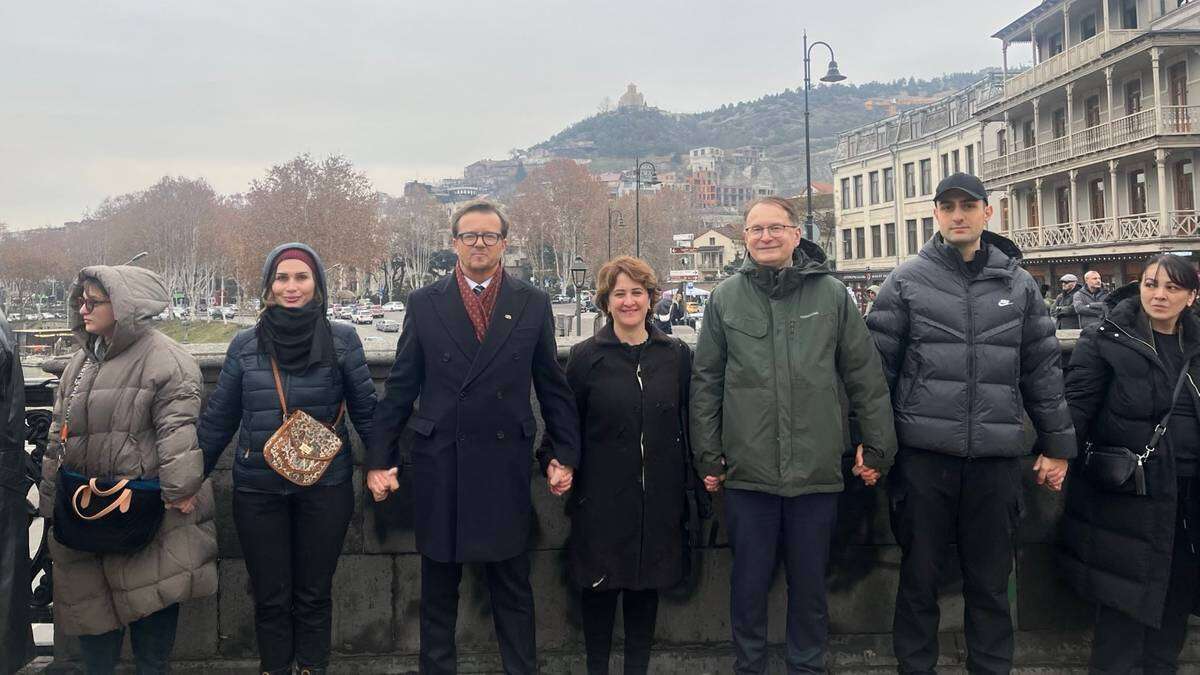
[376, 588]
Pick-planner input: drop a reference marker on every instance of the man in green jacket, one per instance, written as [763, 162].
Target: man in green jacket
[779, 340]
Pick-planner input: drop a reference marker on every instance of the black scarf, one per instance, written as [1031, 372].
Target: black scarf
[296, 338]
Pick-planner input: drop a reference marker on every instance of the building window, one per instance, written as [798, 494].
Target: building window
[1062, 204]
[1055, 44]
[1002, 142]
[876, 248]
[971, 159]
[1032, 208]
[847, 245]
[1129, 17]
[1028, 137]
[926, 229]
[889, 238]
[910, 227]
[1059, 123]
[954, 161]
[1133, 97]
[1096, 198]
[845, 193]
[858, 192]
[1004, 214]
[926, 176]
[1091, 111]
[1184, 187]
[860, 241]
[910, 181]
[873, 183]
[1137, 192]
[1087, 27]
[889, 185]
[945, 165]
[712, 241]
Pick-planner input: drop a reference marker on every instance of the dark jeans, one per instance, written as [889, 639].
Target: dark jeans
[938, 500]
[760, 525]
[1121, 643]
[640, 609]
[152, 638]
[291, 544]
[512, 612]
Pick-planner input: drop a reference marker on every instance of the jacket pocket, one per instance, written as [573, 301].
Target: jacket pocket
[752, 326]
[421, 426]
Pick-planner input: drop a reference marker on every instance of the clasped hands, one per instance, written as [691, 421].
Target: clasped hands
[1050, 472]
[559, 478]
[382, 482]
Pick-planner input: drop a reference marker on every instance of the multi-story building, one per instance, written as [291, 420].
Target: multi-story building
[715, 248]
[705, 159]
[884, 177]
[1093, 148]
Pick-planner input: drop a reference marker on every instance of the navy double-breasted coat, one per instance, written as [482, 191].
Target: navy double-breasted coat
[474, 427]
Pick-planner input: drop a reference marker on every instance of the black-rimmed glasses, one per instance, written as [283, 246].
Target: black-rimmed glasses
[471, 238]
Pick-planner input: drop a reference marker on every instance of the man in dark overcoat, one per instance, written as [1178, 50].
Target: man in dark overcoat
[472, 344]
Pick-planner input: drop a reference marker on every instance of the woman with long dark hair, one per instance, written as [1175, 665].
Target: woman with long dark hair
[1135, 555]
[291, 533]
[628, 506]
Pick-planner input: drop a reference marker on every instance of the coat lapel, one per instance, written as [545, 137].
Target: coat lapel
[453, 314]
[509, 307]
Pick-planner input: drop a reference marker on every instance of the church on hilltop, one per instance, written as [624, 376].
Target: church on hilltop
[632, 99]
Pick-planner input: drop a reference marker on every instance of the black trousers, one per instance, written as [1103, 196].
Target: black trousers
[639, 610]
[152, 638]
[1120, 642]
[512, 612]
[763, 528]
[938, 500]
[291, 543]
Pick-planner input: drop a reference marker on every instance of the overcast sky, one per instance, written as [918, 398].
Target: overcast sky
[103, 98]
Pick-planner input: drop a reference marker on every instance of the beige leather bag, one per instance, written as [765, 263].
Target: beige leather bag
[301, 449]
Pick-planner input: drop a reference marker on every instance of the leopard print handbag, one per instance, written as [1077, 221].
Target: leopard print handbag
[302, 448]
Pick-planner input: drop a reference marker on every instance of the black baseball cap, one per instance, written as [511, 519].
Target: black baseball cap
[961, 181]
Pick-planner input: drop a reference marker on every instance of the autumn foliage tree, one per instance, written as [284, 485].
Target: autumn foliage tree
[560, 205]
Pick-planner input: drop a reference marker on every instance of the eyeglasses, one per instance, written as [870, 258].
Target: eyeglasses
[90, 304]
[756, 232]
[470, 238]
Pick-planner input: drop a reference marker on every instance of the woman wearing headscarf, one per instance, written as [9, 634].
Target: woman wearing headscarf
[1135, 555]
[291, 534]
[127, 409]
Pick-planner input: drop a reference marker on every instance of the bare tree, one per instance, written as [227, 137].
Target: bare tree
[562, 206]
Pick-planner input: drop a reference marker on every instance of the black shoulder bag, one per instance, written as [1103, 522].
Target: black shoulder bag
[1121, 470]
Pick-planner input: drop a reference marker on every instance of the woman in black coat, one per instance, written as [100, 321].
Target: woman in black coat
[628, 508]
[291, 535]
[1135, 556]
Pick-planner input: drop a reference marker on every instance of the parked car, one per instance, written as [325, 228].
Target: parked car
[345, 313]
[377, 311]
[387, 326]
[394, 306]
[218, 312]
[562, 298]
[361, 317]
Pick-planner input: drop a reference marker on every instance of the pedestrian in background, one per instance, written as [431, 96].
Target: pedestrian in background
[1134, 555]
[1063, 311]
[1089, 300]
[127, 409]
[628, 504]
[292, 361]
[776, 339]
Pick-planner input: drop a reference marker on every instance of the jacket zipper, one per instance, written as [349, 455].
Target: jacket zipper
[970, 363]
[642, 448]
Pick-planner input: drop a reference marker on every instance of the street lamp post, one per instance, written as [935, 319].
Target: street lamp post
[637, 202]
[620, 223]
[578, 277]
[832, 75]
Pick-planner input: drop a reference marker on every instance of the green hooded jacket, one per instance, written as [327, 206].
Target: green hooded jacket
[776, 347]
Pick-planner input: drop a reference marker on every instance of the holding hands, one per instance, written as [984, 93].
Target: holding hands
[868, 475]
[382, 482]
[559, 478]
[1050, 472]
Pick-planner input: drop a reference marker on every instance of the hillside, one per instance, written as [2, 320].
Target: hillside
[775, 122]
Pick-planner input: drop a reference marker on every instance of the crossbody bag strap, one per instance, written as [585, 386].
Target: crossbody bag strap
[279, 387]
[1161, 429]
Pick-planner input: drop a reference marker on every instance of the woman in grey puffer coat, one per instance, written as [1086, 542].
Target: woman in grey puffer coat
[127, 409]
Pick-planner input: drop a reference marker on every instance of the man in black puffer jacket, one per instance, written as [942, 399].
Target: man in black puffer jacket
[967, 347]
